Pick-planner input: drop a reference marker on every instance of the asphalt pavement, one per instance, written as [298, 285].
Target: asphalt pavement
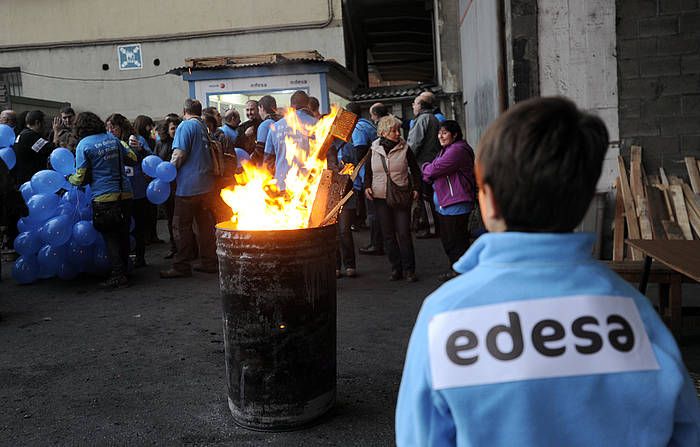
[145, 365]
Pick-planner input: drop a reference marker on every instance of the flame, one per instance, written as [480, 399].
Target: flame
[256, 201]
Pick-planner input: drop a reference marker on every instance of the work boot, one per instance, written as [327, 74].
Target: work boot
[172, 273]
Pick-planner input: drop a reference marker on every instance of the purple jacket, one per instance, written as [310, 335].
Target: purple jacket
[452, 174]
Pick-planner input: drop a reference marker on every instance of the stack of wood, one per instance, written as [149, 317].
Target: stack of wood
[654, 206]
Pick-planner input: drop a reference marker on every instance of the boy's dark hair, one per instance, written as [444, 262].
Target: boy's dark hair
[453, 127]
[193, 107]
[68, 110]
[268, 103]
[35, 117]
[542, 158]
[87, 123]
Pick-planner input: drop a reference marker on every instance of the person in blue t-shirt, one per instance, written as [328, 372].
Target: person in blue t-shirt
[275, 145]
[267, 106]
[100, 160]
[194, 200]
[232, 119]
[122, 130]
[536, 343]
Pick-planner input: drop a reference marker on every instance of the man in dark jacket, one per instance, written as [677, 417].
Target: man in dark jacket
[32, 148]
[423, 141]
[248, 131]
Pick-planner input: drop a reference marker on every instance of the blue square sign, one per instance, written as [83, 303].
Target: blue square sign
[130, 57]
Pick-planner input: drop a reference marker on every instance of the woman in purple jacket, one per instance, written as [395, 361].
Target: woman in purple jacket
[452, 176]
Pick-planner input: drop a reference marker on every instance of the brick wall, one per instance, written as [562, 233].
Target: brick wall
[658, 49]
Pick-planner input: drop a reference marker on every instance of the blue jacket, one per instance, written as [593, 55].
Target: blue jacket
[538, 344]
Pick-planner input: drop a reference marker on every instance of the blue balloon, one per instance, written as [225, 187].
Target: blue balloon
[57, 230]
[47, 181]
[7, 154]
[42, 206]
[158, 191]
[26, 190]
[84, 233]
[63, 161]
[101, 259]
[49, 258]
[80, 255]
[27, 243]
[67, 270]
[150, 165]
[166, 171]
[26, 269]
[25, 224]
[7, 136]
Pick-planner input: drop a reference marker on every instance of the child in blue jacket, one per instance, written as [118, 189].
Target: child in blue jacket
[535, 343]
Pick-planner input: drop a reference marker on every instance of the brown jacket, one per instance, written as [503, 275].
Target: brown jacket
[401, 164]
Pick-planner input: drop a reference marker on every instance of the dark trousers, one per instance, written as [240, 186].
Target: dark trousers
[454, 233]
[189, 210]
[169, 212]
[116, 233]
[345, 253]
[151, 232]
[396, 228]
[140, 215]
[375, 229]
[426, 215]
[360, 212]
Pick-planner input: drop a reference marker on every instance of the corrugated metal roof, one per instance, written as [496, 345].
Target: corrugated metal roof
[402, 91]
[254, 60]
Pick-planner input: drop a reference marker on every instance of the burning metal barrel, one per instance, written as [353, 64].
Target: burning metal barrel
[279, 304]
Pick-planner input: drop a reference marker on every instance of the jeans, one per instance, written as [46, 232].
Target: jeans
[345, 253]
[189, 210]
[396, 228]
[454, 233]
[116, 233]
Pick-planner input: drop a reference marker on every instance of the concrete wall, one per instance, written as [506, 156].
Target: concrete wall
[577, 60]
[46, 21]
[482, 69]
[659, 80]
[447, 43]
[89, 87]
[522, 55]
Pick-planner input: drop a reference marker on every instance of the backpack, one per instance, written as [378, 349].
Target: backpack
[216, 151]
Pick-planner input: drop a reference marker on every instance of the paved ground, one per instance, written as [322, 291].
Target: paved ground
[145, 365]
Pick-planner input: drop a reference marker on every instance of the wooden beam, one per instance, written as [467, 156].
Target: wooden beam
[673, 231]
[644, 221]
[664, 190]
[691, 197]
[657, 211]
[693, 173]
[694, 218]
[619, 225]
[630, 213]
[636, 184]
[676, 192]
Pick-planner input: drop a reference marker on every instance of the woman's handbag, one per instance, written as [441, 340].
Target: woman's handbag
[396, 196]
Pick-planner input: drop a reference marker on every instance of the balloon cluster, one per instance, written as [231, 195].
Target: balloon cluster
[57, 238]
[7, 139]
[162, 172]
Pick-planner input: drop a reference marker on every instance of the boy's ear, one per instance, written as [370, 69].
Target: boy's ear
[490, 211]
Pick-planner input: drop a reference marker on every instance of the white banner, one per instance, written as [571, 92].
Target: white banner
[535, 339]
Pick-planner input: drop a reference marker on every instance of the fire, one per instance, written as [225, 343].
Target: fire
[256, 201]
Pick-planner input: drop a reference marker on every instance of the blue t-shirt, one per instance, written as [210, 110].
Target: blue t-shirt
[99, 154]
[229, 132]
[364, 134]
[194, 177]
[275, 144]
[264, 129]
[452, 210]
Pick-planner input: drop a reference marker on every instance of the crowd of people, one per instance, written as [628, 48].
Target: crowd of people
[430, 172]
